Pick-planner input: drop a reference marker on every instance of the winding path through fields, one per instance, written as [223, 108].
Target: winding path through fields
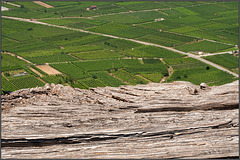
[133, 40]
[19, 57]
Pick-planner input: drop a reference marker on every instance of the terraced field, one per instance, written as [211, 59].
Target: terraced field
[226, 60]
[204, 46]
[188, 69]
[92, 60]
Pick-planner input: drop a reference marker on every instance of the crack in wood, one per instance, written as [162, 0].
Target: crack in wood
[101, 137]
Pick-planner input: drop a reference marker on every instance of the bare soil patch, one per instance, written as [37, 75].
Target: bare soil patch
[48, 69]
[43, 4]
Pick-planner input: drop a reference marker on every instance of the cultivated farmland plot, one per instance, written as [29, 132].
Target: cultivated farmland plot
[205, 46]
[85, 60]
[29, 81]
[7, 86]
[225, 60]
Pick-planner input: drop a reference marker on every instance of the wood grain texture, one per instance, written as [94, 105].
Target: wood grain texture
[144, 121]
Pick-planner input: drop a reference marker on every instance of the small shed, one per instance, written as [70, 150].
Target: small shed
[21, 74]
[159, 19]
[199, 52]
[92, 8]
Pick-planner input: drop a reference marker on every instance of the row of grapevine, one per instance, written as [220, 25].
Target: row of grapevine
[129, 78]
[26, 81]
[51, 59]
[6, 85]
[155, 77]
[107, 79]
[225, 60]
[71, 70]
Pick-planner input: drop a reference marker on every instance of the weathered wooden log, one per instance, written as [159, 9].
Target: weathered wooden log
[143, 121]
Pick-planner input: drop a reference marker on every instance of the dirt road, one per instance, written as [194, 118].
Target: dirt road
[19, 57]
[211, 54]
[12, 4]
[133, 40]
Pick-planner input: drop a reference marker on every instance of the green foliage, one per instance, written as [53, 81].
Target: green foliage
[51, 58]
[44, 44]
[207, 11]
[29, 71]
[184, 29]
[61, 3]
[71, 70]
[149, 5]
[99, 65]
[134, 32]
[17, 30]
[6, 85]
[184, 63]
[151, 51]
[99, 54]
[73, 22]
[109, 28]
[8, 68]
[155, 77]
[80, 85]
[6, 74]
[121, 44]
[205, 46]
[185, 11]
[189, 69]
[7, 5]
[26, 47]
[8, 61]
[81, 25]
[130, 78]
[216, 35]
[91, 82]
[29, 5]
[225, 60]
[151, 61]
[107, 79]
[28, 13]
[56, 79]
[148, 68]
[105, 9]
[124, 3]
[29, 29]
[155, 25]
[199, 75]
[147, 16]
[120, 18]
[173, 14]
[166, 39]
[26, 81]
[82, 40]
[189, 20]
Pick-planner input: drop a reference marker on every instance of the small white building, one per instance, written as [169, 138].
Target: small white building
[4, 8]
[159, 19]
[199, 52]
[21, 74]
